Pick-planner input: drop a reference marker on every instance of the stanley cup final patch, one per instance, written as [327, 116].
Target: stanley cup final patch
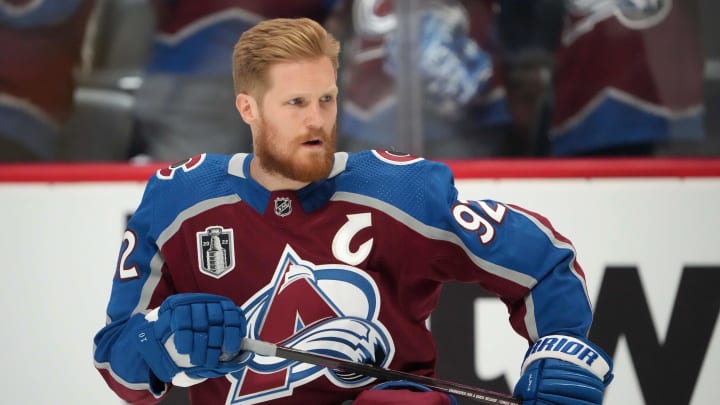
[216, 251]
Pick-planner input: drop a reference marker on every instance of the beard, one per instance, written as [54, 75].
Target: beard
[288, 160]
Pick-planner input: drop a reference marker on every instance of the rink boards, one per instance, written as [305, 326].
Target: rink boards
[647, 235]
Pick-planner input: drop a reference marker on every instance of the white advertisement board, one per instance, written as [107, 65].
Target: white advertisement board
[653, 247]
[650, 249]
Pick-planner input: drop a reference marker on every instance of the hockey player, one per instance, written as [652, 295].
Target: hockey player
[325, 251]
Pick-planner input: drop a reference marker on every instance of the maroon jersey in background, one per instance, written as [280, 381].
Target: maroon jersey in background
[40, 49]
[627, 74]
[197, 37]
[464, 112]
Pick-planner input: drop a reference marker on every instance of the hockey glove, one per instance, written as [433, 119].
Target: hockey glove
[182, 340]
[564, 370]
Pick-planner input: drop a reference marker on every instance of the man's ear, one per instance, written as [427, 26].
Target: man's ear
[247, 107]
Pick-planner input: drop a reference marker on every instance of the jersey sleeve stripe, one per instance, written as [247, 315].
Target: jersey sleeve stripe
[431, 232]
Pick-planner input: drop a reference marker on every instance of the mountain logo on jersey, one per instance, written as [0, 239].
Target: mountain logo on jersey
[642, 14]
[283, 206]
[216, 252]
[186, 165]
[632, 14]
[326, 309]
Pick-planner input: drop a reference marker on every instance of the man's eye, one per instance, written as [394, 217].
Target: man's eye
[326, 99]
[295, 101]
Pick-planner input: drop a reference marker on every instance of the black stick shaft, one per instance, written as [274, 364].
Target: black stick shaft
[460, 390]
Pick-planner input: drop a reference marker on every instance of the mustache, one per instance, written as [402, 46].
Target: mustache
[318, 134]
[315, 134]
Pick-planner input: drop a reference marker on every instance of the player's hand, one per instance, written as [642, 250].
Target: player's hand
[564, 370]
[452, 66]
[183, 339]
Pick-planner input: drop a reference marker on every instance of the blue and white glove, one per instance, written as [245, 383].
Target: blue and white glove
[183, 339]
[451, 64]
[564, 370]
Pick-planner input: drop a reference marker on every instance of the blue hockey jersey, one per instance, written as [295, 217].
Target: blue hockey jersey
[351, 265]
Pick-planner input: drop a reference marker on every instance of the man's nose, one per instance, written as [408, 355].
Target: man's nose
[314, 118]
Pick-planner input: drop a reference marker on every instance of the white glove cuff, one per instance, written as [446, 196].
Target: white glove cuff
[569, 349]
[153, 315]
[181, 360]
[183, 380]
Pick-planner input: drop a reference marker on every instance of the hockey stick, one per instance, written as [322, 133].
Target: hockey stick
[269, 349]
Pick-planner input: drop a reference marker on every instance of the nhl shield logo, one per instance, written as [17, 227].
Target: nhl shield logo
[216, 252]
[283, 206]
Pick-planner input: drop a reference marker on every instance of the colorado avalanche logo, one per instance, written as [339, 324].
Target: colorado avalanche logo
[633, 14]
[396, 158]
[328, 309]
[642, 14]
